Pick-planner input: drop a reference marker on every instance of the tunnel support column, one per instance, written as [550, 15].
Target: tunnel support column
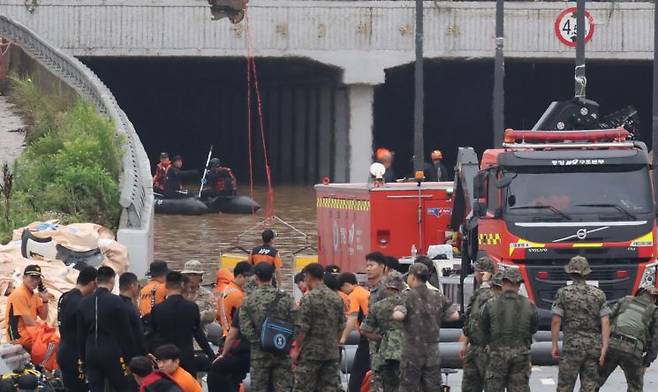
[361, 98]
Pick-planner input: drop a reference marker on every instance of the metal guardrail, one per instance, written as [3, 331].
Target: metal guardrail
[135, 179]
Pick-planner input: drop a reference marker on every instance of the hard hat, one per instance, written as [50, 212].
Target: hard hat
[578, 265]
[215, 162]
[382, 154]
[512, 275]
[484, 264]
[437, 155]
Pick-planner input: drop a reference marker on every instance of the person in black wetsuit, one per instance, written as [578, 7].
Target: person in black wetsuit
[174, 183]
[68, 354]
[129, 292]
[177, 321]
[104, 336]
[232, 365]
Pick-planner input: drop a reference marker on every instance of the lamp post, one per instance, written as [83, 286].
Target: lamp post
[654, 111]
[579, 72]
[419, 95]
[499, 76]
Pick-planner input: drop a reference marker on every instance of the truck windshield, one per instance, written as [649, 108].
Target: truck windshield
[617, 192]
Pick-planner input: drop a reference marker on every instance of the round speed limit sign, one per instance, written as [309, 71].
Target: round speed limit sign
[565, 26]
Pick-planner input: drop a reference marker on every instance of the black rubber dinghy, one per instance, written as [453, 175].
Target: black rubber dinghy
[184, 206]
[233, 204]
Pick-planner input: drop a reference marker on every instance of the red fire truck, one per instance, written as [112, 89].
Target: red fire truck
[547, 196]
[542, 198]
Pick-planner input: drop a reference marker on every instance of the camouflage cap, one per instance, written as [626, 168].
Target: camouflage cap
[578, 265]
[497, 279]
[484, 264]
[512, 275]
[419, 269]
[394, 281]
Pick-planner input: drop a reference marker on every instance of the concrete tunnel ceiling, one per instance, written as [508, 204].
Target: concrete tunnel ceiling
[182, 105]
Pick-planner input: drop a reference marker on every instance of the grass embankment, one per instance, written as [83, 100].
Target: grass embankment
[70, 167]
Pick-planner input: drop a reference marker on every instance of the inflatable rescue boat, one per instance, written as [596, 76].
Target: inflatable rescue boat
[192, 205]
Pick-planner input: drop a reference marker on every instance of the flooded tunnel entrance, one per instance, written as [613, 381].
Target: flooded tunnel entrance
[458, 101]
[183, 105]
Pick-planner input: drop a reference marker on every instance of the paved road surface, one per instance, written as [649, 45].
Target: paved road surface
[544, 379]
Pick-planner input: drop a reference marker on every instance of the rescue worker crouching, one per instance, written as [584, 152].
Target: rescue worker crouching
[633, 337]
[24, 306]
[220, 180]
[150, 380]
[160, 177]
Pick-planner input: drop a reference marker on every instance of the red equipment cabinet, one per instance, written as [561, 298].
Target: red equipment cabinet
[356, 219]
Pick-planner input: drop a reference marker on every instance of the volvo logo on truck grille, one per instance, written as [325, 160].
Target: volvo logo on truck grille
[582, 234]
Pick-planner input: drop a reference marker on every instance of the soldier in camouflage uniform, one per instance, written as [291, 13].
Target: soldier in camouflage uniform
[421, 311]
[633, 337]
[380, 328]
[584, 315]
[269, 371]
[497, 283]
[320, 322]
[474, 351]
[508, 322]
[203, 297]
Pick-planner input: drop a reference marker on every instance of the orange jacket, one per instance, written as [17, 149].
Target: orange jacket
[224, 278]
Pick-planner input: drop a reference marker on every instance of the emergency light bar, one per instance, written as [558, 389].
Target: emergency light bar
[567, 137]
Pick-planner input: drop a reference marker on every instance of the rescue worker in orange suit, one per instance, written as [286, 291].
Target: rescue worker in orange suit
[436, 171]
[155, 291]
[174, 182]
[24, 306]
[267, 253]
[385, 157]
[220, 180]
[160, 177]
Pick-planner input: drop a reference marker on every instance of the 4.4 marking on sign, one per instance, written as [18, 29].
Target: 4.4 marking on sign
[566, 26]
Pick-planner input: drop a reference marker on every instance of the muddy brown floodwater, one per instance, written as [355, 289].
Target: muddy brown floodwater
[179, 238]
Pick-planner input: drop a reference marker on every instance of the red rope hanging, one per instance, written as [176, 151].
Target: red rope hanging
[269, 211]
[251, 71]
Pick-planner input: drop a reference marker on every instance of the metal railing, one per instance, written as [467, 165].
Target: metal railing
[135, 178]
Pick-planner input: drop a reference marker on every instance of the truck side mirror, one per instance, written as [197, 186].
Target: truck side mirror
[479, 190]
[479, 209]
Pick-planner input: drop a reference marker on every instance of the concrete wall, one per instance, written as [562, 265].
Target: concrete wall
[19, 63]
[364, 38]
